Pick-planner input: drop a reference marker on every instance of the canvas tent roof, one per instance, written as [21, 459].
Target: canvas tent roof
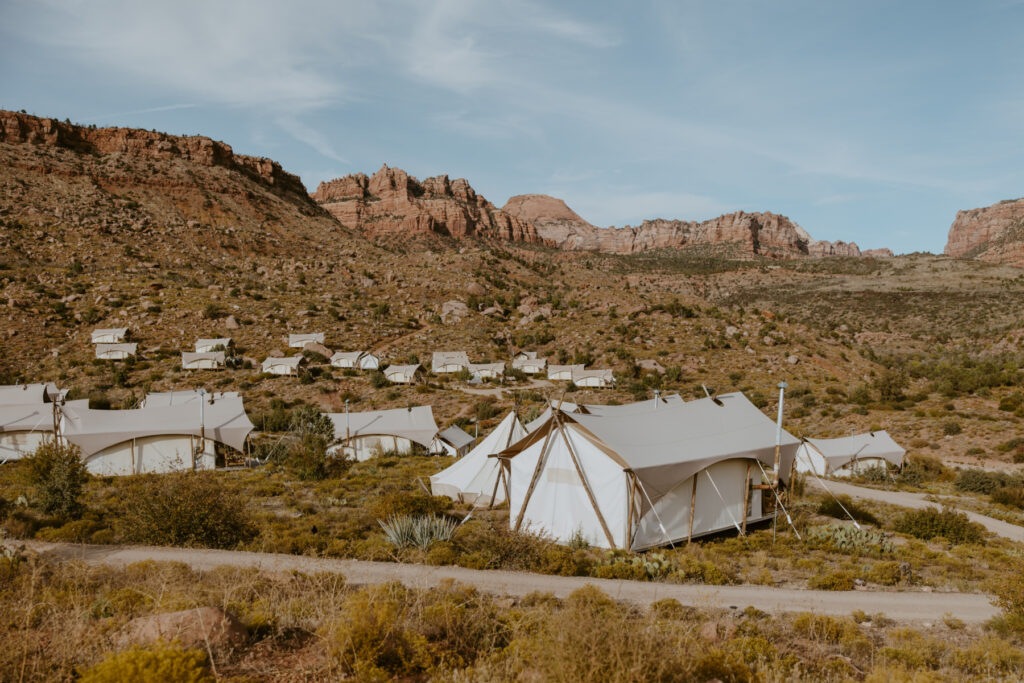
[532, 362]
[666, 446]
[842, 451]
[565, 368]
[28, 394]
[475, 474]
[301, 339]
[174, 398]
[129, 348]
[36, 417]
[93, 430]
[218, 341]
[290, 361]
[347, 355]
[605, 374]
[493, 367]
[416, 424]
[634, 408]
[456, 437]
[117, 332]
[442, 358]
[402, 369]
[192, 356]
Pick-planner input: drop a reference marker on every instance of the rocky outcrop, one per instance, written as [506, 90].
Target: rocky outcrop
[392, 203]
[764, 234]
[993, 233]
[17, 128]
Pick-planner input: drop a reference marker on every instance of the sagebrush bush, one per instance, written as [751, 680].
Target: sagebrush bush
[833, 507]
[184, 509]
[158, 664]
[920, 469]
[980, 481]
[1012, 496]
[832, 581]
[56, 474]
[947, 523]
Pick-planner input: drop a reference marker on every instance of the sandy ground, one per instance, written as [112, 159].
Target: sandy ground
[915, 606]
[918, 501]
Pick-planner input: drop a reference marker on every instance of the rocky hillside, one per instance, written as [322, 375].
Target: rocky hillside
[391, 203]
[993, 233]
[762, 234]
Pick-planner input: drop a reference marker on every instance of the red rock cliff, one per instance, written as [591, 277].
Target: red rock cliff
[993, 233]
[391, 203]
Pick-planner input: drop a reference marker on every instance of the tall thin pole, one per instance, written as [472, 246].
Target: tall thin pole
[778, 431]
[348, 426]
[202, 425]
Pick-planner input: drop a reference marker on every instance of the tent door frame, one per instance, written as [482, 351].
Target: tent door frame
[590, 492]
[536, 474]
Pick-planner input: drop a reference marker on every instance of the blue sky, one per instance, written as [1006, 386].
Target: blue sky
[865, 121]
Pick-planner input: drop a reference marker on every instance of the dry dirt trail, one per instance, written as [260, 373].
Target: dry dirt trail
[917, 606]
[918, 501]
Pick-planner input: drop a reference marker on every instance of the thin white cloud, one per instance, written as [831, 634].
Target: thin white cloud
[310, 136]
[136, 112]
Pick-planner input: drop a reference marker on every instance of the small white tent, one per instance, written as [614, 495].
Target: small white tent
[487, 370]
[116, 351]
[202, 360]
[403, 374]
[848, 455]
[346, 359]
[299, 341]
[444, 362]
[210, 345]
[282, 366]
[364, 435]
[474, 478]
[646, 479]
[453, 441]
[369, 361]
[531, 366]
[155, 439]
[563, 373]
[600, 379]
[111, 335]
[26, 418]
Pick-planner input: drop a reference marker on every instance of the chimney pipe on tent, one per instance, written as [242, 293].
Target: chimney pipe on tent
[348, 430]
[657, 395]
[778, 431]
[202, 426]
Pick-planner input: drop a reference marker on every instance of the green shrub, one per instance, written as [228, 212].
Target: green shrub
[886, 573]
[1012, 496]
[419, 531]
[157, 664]
[847, 538]
[832, 581]
[947, 523]
[951, 428]
[184, 509]
[833, 507]
[919, 469]
[56, 474]
[980, 481]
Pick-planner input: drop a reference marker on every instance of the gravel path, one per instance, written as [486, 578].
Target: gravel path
[918, 501]
[917, 606]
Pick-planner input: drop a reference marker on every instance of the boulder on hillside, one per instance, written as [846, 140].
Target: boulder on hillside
[453, 311]
[197, 627]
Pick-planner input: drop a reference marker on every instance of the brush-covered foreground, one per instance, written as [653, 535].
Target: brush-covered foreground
[61, 621]
[271, 510]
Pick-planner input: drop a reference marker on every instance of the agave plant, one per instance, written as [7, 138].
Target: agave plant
[406, 531]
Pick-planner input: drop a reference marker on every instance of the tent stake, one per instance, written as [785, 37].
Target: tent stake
[590, 493]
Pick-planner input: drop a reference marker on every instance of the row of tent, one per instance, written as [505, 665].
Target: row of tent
[649, 473]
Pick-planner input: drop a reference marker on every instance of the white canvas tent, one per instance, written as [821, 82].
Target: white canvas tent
[600, 379]
[210, 345]
[299, 341]
[848, 455]
[369, 361]
[116, 351]
[453, 441]
[531, 366]
[155, 439]
[26, 418]
[444, 362]
[474, 478]
[364, 435]
[346, 359]
[644, 479]
[202, 360]
[403, 374]
[282, 366]
[110, 335]
[563, 373]
[487, 370]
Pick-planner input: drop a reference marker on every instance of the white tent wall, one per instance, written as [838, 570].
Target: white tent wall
[859, 465]
[369, 361]
[472, 479]
[365, 447]
[152, 454]
[559, 506]
[716, 509]
[16, 445]
[810, 459]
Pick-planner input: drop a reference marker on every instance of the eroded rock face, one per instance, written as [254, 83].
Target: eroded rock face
[765, 234]
[993, 233]
[18, 128]
[392, 203]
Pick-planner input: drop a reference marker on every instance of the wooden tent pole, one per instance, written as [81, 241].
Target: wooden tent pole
[693, 508]
[746, 498]
[590, 493]
[630, 512]
[537, 470]
[505, 468]
[494, 493]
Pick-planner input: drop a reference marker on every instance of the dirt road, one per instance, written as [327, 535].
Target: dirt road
[918, 501]
[915, 606]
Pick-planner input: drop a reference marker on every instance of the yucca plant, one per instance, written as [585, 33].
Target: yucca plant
[406, 531]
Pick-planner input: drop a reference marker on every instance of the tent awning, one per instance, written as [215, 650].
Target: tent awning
[416, 424]
[844, 450]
